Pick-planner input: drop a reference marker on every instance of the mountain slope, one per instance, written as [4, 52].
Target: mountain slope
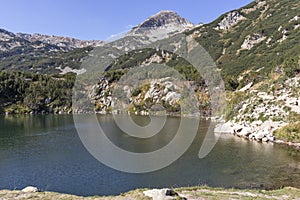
[250, 42]
[260, 35]
[257, 51]
[249, 45]
[52, 54]
[157, 27]
[40, 53]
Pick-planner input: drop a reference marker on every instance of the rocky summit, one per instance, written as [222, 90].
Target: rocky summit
[164, 20]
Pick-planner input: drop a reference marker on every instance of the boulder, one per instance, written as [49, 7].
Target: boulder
[251, 136]
[260, 135]
[224, 128]
[271, 138]
[30, 189]
[245, 132]
[238, 128]
[162, 194]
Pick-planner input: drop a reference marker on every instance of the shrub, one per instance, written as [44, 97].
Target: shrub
[289, 133]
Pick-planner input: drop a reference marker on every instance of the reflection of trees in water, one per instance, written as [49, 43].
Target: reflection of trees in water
[29, 124]
[1, 109]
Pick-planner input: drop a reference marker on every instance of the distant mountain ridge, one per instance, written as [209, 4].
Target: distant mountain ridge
[166, 19]
[9, 40]
[64, 42]
[51, 54]
[236, 40]
[33, 55]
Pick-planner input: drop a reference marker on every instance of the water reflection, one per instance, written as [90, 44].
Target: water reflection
[44, 150]
[13, 125]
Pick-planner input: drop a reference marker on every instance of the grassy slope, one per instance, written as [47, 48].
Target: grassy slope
[266, 21]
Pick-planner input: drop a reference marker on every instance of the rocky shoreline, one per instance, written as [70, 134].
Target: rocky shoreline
[265, 111]
[188, 193]
[258, 131]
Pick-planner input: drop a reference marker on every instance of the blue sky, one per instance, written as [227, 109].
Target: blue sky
[98, 19]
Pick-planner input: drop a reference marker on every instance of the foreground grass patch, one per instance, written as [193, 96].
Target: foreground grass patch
[204, 192]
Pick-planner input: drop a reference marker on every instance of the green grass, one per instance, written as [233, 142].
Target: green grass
[290, 133]
[205, 192]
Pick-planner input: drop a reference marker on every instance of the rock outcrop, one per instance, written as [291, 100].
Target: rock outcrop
[230, 20]
[251, 41]
[140, 99]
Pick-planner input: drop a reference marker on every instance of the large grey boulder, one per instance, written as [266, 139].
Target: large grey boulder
[162, 194]
[30, 189]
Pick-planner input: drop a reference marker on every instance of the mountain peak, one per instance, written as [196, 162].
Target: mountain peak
[165, 18]
[164, 12]
[162, 24]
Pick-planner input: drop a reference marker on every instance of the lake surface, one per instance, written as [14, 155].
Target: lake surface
[45, 151]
